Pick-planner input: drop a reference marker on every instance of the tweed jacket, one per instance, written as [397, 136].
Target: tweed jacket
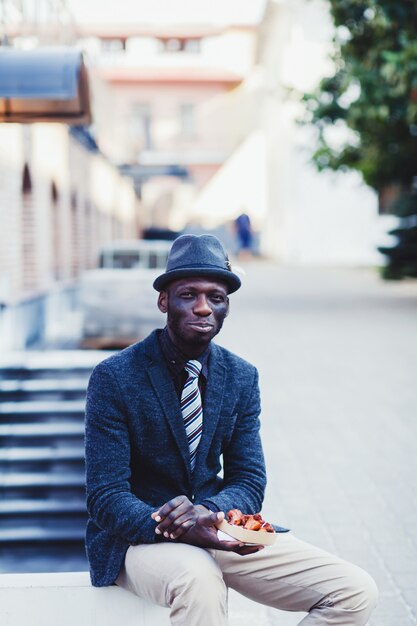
[137, 455]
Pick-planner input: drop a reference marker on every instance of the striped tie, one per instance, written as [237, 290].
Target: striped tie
[191, 409]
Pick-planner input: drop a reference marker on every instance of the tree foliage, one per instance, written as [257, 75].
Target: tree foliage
[372, 96]
[375, 61]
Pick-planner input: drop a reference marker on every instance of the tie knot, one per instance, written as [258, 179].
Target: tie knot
[193, 368]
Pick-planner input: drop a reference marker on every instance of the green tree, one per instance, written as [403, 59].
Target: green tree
[371, 98]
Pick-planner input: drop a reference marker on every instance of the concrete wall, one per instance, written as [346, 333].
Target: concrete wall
[68, 599]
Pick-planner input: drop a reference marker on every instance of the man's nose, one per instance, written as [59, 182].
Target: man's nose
[202, 306]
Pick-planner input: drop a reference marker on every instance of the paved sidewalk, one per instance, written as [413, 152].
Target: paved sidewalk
[337, 354]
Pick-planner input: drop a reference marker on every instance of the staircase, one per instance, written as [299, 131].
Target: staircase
[42, 502]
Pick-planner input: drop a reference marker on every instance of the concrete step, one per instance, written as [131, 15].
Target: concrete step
[41, 409]
[50, 364]
[42, 385]
[37, 388]
[41, 479]
[52, 506]
[68, 599]
[42, 505]
[41, 454]
[49, 557]
[42, 534]
[43, 429]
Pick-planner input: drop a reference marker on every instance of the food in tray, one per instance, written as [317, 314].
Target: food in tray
[250, 529]
[235, 517]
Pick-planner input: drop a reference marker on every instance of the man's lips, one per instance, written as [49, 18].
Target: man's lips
[201, 326]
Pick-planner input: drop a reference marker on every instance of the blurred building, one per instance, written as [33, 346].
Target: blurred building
[195, 123]
[198, 104]
[60, 198]
[166, 101]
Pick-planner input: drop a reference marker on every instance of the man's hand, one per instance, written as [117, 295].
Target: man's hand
[180, 520]
[178, 515]
[204, 535]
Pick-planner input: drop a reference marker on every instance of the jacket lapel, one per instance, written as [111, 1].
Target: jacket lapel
[166, 394]
[212, 404]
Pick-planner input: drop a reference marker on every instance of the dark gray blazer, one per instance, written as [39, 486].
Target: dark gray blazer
[137, 454]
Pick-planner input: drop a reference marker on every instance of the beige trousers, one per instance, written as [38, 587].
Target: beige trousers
[291, 575]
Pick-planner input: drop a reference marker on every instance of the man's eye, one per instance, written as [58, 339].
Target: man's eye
[186, 294]
[217, 298]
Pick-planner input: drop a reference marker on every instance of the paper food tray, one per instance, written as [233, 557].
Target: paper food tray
[247, 536]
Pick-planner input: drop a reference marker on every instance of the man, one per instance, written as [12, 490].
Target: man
[161, 416]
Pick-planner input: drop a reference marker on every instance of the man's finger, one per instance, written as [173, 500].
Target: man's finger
[169, 526]
[219, 517]
[211, 519]
[170, 506]
[181, 530]
[228, 546]
[169, 521]
[172, 526]
[240, 548]
[249, 549]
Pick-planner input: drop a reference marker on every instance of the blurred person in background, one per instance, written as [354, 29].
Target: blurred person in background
[244, 235]
[162, 418]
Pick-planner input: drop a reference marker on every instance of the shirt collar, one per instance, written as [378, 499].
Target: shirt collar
[176, 359]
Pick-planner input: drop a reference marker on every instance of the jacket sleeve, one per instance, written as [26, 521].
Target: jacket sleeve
[243, 461]
[110, 502]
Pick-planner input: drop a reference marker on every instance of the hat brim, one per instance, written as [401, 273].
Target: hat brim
[232, 280]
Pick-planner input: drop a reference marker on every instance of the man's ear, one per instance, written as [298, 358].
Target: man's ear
[163, 301]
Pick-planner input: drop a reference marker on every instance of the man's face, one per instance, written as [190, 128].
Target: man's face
[196, 308]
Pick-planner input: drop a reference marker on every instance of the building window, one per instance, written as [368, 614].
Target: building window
[192, 45]
[141, 126]
[173, 44]
[187, 120]
[113, 45]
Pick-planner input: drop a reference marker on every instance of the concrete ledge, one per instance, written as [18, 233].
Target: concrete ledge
[68, 599]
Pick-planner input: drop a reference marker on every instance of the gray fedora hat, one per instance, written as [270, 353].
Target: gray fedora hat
[198, 255]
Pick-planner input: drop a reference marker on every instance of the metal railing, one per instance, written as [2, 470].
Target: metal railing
[48, 21]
